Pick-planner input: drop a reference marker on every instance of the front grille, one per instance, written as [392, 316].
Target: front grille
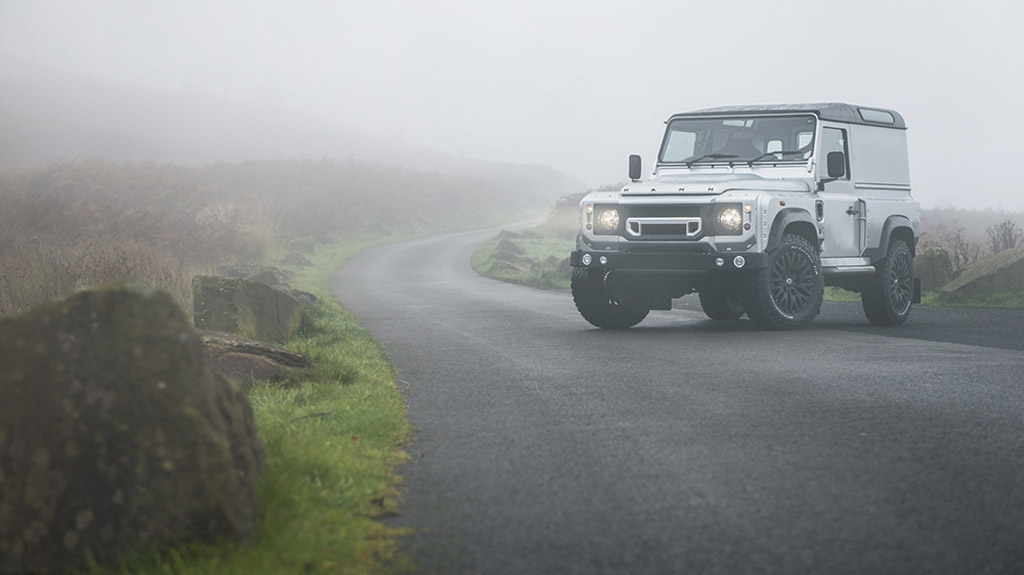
[663, 228]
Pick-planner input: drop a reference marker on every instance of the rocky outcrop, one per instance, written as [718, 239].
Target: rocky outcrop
[1001, 272]
[246, 308]
[246, 360]
[267, 275]
[115, 434]
[933, 267]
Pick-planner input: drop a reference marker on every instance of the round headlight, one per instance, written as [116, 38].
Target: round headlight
[730, 219]
[608, 220]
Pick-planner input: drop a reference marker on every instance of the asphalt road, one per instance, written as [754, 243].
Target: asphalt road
[683, 445]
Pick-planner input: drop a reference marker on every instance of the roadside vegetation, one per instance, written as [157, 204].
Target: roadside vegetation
[951, 239]
[332, 441]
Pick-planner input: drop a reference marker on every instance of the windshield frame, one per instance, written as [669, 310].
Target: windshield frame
[706, 154]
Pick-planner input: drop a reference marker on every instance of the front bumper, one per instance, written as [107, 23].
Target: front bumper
[668, 262]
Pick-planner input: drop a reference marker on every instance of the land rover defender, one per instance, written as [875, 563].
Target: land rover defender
[757, 209]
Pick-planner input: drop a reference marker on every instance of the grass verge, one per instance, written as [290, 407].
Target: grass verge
[332, 444]
[535, 257]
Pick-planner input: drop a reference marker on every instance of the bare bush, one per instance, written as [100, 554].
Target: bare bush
[1004, 236]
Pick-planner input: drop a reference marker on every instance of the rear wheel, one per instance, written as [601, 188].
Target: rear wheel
[888, 297]
[787, 294]
[721, 305]
[599, 308]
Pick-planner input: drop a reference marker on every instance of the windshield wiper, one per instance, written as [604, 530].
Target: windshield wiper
[750, 163]
[710, 157]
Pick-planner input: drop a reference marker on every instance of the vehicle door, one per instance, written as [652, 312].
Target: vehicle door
[842, 212]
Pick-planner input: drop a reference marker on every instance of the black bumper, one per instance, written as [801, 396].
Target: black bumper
[670, 261]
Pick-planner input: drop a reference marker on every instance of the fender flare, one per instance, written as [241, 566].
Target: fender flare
[893, 223]
[784, 219]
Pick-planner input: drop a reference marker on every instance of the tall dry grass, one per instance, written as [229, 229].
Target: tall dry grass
[45, 269]
[72, 225]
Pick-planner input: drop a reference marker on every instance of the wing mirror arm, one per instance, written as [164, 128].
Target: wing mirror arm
[836, 162]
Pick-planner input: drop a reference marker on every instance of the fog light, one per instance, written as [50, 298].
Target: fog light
[739, 261]
[586, 259]
[719, 262]
[603, 260]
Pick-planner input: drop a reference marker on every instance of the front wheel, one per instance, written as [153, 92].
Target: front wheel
[599, 308]
[888, 296]
[787, 294]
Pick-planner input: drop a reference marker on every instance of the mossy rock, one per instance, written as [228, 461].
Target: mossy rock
[246, 308]
[115, 434]
[999, 273]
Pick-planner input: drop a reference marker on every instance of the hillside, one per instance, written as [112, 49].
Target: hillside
[49, 116]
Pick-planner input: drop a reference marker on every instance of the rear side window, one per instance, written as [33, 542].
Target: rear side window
[833, 140]
[877, 116]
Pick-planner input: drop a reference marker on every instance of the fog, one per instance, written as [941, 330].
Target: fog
[574, 85]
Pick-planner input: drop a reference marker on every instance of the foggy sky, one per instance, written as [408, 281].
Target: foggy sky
[576, 85]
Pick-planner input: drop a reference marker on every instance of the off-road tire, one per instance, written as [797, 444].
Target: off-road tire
[721, 305]
[597, 307]
[787, 293]
[889, 295]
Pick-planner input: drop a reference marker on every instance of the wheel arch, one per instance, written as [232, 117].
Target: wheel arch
[895, 227]
[792, 220]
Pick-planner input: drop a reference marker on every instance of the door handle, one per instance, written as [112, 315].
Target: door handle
[852, 211]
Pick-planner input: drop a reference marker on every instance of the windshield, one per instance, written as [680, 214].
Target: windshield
[744, 139]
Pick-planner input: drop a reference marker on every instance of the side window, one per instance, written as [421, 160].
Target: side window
[833, 140]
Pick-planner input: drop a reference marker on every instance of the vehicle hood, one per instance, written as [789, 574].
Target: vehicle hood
[710, 184]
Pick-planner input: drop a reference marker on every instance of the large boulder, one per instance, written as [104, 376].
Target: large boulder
[1002, 272]
[246, 308]
[245, 360]
[933, 267]
[115, 434]
[278, 279]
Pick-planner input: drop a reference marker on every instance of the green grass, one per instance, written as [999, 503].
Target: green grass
[1011, 300]
[332, 445]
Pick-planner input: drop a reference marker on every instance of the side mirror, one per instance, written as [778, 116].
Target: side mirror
[634, 168]
[836, 162]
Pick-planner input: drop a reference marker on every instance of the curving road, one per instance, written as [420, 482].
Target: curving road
[683, 445]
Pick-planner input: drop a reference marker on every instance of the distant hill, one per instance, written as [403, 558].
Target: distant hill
[48, 116]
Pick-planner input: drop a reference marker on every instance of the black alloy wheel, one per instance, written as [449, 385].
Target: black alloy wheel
[890, 294]
[788, 293]
[793, 276]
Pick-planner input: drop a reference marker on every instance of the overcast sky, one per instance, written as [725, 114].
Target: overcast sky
[577, 85]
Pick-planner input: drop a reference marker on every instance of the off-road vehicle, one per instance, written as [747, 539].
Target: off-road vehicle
[756, 208]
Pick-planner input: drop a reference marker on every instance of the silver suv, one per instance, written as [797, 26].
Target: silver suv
[756, 208]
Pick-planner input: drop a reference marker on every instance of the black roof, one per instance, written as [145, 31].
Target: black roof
[835, 111]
